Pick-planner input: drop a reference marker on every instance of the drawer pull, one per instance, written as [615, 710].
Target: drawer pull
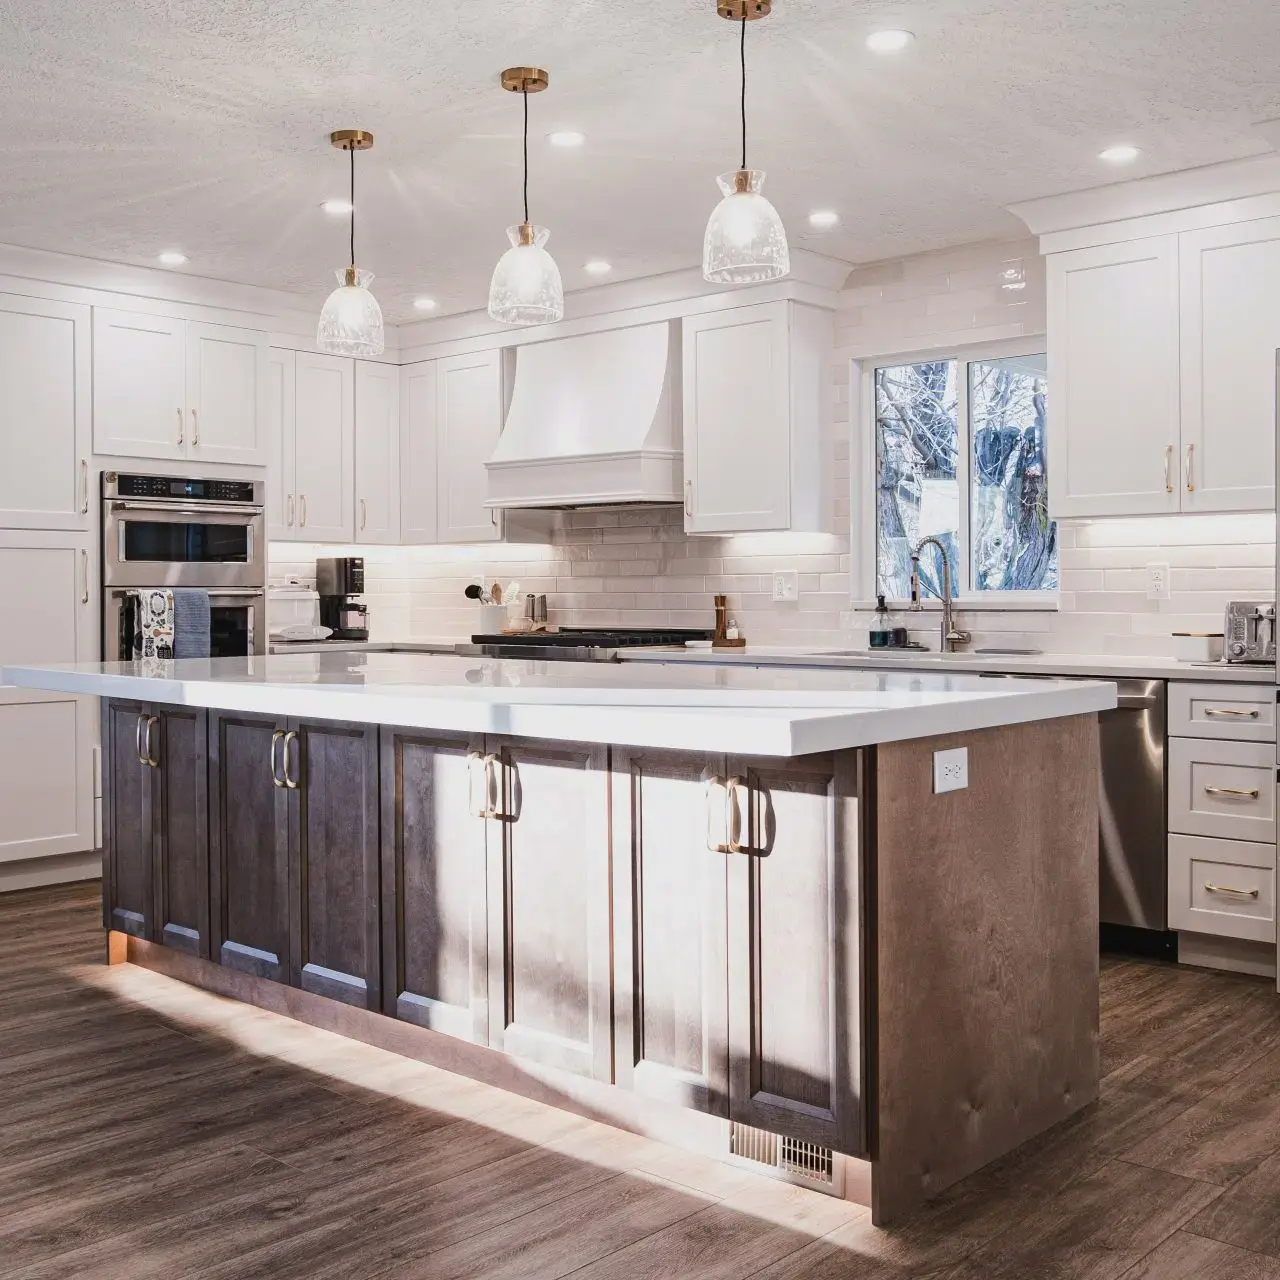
[1238, 792]
[716, 799]
[1227, 889]
[1231, 711]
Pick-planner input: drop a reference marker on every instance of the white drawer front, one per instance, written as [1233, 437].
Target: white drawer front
[1223, 789]
[1243, 712]
[1223, 887]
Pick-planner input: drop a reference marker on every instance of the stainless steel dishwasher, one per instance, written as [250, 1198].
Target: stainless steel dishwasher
[1132, 841]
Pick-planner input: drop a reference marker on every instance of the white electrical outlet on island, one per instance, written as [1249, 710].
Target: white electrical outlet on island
[950, 770]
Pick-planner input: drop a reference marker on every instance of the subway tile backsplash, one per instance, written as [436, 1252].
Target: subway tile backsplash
[637, 567]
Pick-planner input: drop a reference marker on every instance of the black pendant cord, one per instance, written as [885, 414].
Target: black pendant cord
[525, 92]
[743, 55]
[353, 205]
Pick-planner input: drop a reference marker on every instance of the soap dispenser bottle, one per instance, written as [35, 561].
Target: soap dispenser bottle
[881, 636]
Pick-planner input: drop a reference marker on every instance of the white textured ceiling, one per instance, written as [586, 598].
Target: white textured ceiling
[136, 125]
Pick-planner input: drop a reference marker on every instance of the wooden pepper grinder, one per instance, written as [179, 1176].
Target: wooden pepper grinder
[722, 639]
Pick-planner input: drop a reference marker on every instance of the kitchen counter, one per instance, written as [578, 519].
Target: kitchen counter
[1100, 666]
[781, 713]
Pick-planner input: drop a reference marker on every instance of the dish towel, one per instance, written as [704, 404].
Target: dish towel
[190, 623]
[152, 623]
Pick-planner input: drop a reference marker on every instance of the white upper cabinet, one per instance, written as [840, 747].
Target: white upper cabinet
[1230, 311]
[169, 388]
[377, 453]
[756, 383]
[1113, 379]
[418, 496]
[469, 412]
[226, 394]
[281, 491]
[324, 448]
[139, 384]
[45, 414]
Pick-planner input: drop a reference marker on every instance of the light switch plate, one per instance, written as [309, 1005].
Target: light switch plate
[786, 585]
[950, 770]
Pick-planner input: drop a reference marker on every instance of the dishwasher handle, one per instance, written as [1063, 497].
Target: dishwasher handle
[1136, 701]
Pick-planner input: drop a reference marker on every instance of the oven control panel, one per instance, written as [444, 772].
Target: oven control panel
[119, 484]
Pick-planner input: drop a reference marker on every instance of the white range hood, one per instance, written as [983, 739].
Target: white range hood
[593, 420]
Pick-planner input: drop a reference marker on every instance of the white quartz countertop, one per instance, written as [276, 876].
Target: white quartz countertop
[1097, 666]
[772, 711]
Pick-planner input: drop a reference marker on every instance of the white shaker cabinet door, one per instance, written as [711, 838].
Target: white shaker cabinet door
[226, 394]
[1230, 298]
[46, 740]
[737, 420]
[139, 385]
[377, 453]
[281, 500]
[1113, 432]
[45, 415]
[418, 496]
[469, 416]
[324, 447]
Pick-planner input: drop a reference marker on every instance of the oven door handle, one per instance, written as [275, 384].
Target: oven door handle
[213, 592]
[248, 511]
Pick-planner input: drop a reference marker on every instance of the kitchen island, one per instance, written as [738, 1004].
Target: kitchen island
[722, 907]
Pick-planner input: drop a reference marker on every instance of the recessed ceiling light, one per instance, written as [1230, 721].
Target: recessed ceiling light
[823, 219]
[889, 41]
[598, 267]
[1122, 153]
[173, 258]
[566, 138]
[425, 304]
[337, 207]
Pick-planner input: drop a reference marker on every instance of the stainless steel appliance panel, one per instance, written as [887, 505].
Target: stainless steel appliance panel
[237, 623]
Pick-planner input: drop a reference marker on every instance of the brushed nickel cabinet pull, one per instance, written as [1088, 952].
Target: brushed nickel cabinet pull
[1191, 485]
[1168, 464]
[152, 721]
[715, 797]
[1231, 711]
[1226, 888]
[302, 510]
[180, 431]
[732, 787]
[292, 776]
[487, 805]
[288, 507]
[688, 497]
[1242, 793]
[137, 739]
[84, 570]
[276, 739]
[364, 513]
[84, 477]
[195, 427]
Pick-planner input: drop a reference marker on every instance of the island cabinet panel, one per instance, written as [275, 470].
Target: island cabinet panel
[331, 779]
[670, 872]
[795, 1056]
[180, 824]
[434, 925]
[127, 824]
[249, 844]
[548, 892]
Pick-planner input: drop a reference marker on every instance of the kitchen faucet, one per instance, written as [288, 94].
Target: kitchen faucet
[950, 636]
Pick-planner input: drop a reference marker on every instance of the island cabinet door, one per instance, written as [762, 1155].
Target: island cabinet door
[434, 926]
[249, 844]
[128, 782]
[795, 1048]
[548, 867]
[180, 826]
[331, 779]
[671, 1018]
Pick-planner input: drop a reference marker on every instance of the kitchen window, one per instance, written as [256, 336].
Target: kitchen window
[960, 456]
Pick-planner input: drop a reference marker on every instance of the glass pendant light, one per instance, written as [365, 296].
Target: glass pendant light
[526, 286]
[746, 242]
[351, 321]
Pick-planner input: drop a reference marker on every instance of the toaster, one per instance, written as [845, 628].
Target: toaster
[1250, 631]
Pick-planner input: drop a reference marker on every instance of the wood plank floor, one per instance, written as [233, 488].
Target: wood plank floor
[147, 1129]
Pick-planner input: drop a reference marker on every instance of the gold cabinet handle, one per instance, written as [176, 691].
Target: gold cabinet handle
[1231, 711]
[302, 510]
[1238, 792]
[292, 776]
[1191, 484]
[688, 497]
[84, 570]
[288, 507]
[1226, 888]
[180, 431]
[84, 477]
[734, 821]
[195, 427]
[1168, 465]
[152, 721]
[137, 739]
[276, 739]
[715, 797]
[364, 513]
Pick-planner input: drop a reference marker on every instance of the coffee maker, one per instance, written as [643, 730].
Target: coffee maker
[339, 580]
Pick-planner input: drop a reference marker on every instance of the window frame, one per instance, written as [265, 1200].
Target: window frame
[863, 475]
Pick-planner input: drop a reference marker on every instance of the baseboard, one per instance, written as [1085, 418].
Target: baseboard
[35, 873]
[1233, 954]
